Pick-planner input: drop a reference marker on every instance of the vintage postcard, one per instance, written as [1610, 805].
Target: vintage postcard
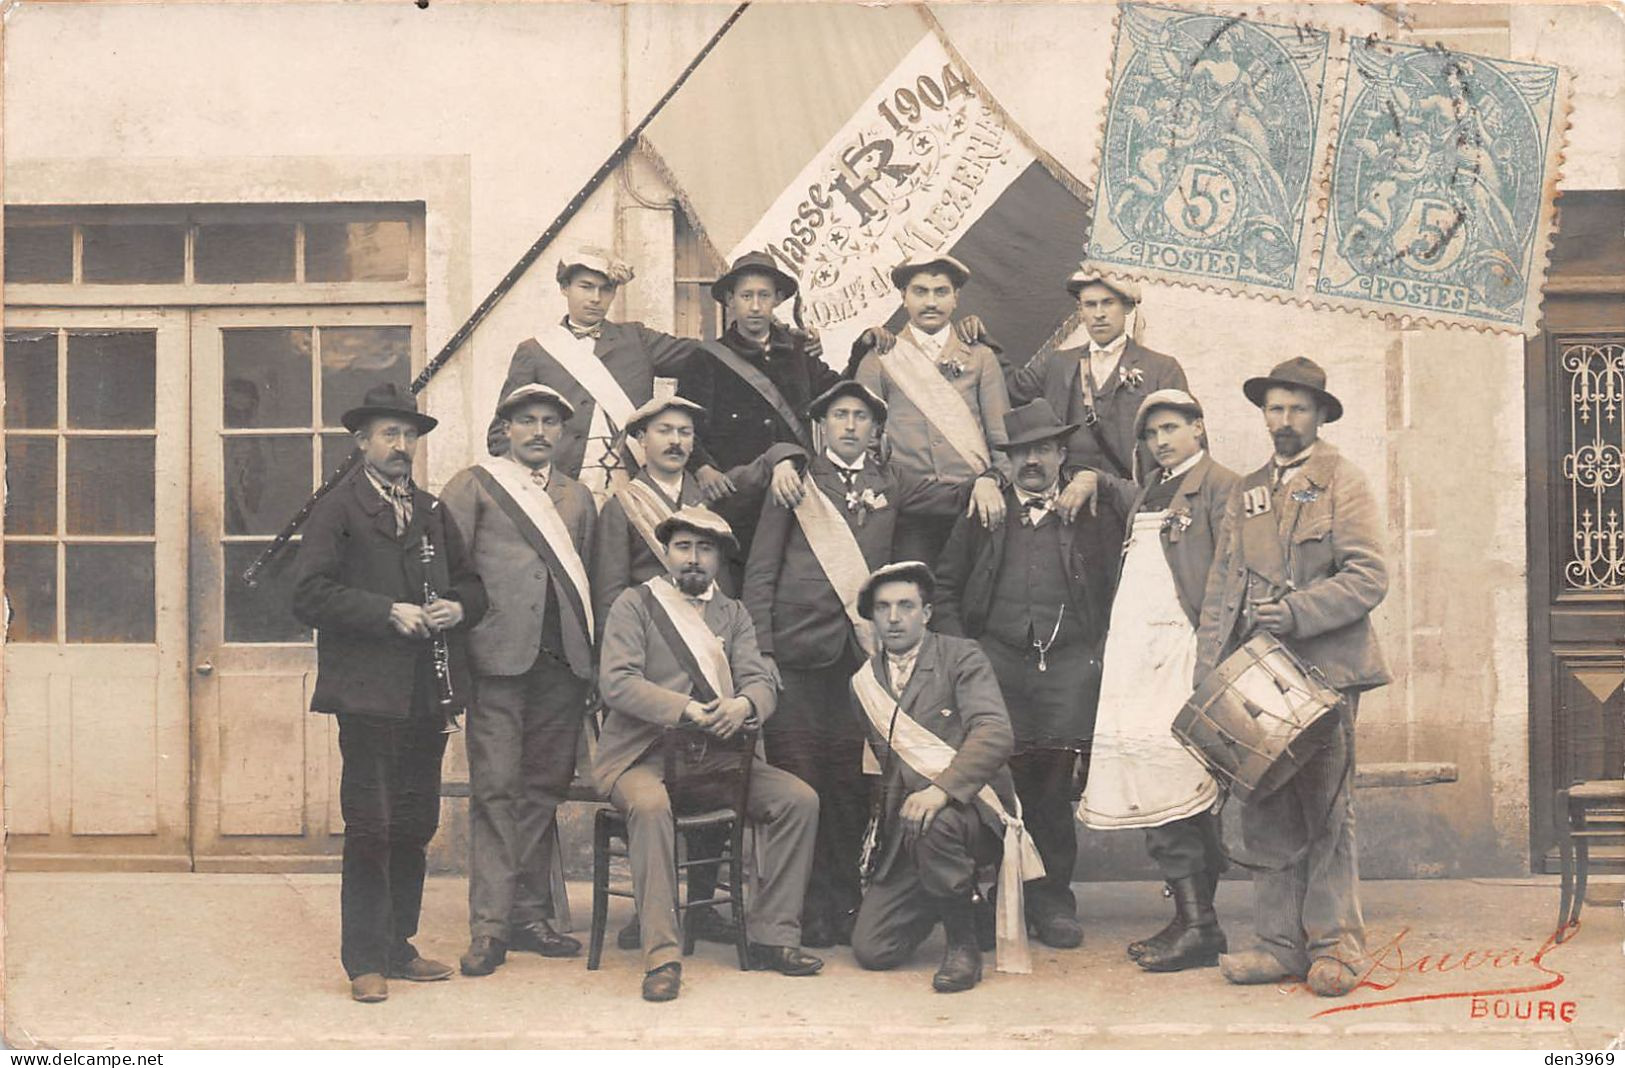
[547, 525]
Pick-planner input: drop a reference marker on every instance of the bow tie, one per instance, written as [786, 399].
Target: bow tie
[581, 332]
[849, 475]
[1033, 509]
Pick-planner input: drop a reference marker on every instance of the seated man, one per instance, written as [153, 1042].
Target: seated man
[675, 650]
[946, 797]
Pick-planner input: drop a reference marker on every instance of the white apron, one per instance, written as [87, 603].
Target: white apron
[1139, 773]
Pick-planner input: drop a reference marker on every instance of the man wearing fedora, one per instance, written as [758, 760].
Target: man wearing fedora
[801, 583]
[529, 527]
[360, 578]
[1097, 378]
[1300, 557]
[1140, 776]
[945, 397]
[627, 553]
[1036, 593]
[755, 383]
[678, 651]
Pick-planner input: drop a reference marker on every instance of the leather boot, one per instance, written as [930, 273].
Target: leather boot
[1200, 940]
[1137, 949]
[962, 961]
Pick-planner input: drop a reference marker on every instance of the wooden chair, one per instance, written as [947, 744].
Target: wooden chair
[718, 801]
[1586, 812]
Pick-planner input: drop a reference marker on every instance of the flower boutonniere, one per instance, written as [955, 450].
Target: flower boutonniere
[1175, 524]
[864, 502]
[1131, 377]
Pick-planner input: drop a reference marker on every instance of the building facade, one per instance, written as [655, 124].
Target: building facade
[222, 221]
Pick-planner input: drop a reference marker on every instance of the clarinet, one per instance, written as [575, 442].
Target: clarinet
[451, 709]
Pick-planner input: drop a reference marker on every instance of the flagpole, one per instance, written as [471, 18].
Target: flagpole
[499, 291]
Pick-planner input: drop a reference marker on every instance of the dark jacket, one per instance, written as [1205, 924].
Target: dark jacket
[1326, 531]
[800, 620]
[968, 571]
[739, 425]
[1054, 376]
[1201, 497]
[351, 569]
[953, 694]
[633, 354]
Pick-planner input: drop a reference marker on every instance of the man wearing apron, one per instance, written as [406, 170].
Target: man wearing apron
[1301, 558]
[1139, 774]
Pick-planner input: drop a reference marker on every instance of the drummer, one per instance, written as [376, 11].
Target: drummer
[1139, 773]
[1299, 557]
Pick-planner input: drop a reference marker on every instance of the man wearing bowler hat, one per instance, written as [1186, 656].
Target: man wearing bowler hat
[1300, 558]
[946, 397]
[529, 527]
[755, 384]
[1036, 593]
[360, 582]
[1098, 377]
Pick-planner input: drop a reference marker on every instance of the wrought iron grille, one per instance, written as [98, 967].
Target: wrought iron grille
[1593, 373]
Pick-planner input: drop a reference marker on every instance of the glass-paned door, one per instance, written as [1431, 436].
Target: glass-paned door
[96, 727]
[268, 388]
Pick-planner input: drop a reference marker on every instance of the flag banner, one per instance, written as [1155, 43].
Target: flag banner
[842, 140]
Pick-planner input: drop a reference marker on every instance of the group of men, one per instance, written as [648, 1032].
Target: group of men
[961, 594]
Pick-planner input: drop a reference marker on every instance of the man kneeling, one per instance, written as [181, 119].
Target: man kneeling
[933, 711]
[677, 651]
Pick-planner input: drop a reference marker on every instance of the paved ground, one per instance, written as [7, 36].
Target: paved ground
[172, 961]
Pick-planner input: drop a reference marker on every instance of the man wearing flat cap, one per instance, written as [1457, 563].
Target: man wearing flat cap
[367, 551]
[801, 586]
[1098, 377]
[627, 553]
[1301, 558]
[1036, 593]
[755, 384]
[946, 396]
[935, 721]
[530, 529]
[603, 369]
[1140, 776]
[678, 651]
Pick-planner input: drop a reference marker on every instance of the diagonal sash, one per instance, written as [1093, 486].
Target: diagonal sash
[540, 524]
[836, 549]
[645, 510]
[611, 405]
[928, 756]
[917, 376]
[692, 642]
[764, 386]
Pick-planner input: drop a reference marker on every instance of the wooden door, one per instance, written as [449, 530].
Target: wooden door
[1576, 398]
[96, 739]
[268, 388]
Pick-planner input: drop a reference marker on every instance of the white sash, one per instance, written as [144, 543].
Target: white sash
[706, 646]
[929, 756]
[917, 376]
[837, 551]
[611, 406]
[645, 510]
[540, 510]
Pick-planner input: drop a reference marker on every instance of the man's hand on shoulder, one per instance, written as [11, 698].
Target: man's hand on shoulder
[971, 330]
[714, 484]
[787, 487]
[876, 339]
[1082, 490]
[986, 502]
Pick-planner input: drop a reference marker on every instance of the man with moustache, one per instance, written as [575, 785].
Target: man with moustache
[946, 398]
[1036, 593]
[627, 553]
[529, 527]
[677, 651]
[1097, 378]
[806, 566]
[1300, 558]
[931, 710]
[1140, 776]
[360, 579]
[755, 383]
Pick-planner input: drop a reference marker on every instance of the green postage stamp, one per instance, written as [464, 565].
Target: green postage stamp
[1288, 161]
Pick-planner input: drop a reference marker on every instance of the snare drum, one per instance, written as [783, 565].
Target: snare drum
[1258, 718]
